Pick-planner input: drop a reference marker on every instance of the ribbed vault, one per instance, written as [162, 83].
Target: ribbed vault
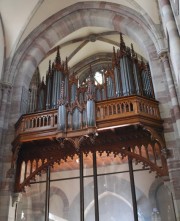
[112, 16]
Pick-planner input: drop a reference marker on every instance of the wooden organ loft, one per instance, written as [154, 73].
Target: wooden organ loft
[67, 117]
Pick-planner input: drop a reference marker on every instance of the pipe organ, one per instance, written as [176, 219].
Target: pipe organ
[76, 103]
[68, 117]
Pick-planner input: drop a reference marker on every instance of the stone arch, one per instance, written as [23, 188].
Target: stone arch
[39, 200]
[153, 189]
[160, 191]
[57, 191]
[103, 198]
[118, 188]
[110, 15]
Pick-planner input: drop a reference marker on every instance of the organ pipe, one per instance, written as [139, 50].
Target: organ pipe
[126, 69]
[136, 73]
[127, 76]
[33, 91]
[62, 116]
[49, 87]
[41, 96]
[90, 106]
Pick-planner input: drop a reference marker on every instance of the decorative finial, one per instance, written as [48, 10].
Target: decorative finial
[122, 44]
[52, 67]
[114, 53]
[132, 51]
[147, 67]
[58, 58]
[49, 69]
[114, 56]
[66, 64]
[128, 51]
[142, 62]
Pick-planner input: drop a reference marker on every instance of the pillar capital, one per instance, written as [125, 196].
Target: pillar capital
[5, 85]
[163, 56]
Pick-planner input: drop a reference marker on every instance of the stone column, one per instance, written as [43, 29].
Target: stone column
[173, 136]
[169, 186]
[172, 90]
[173, 36]
[5, 90]
[5, 151]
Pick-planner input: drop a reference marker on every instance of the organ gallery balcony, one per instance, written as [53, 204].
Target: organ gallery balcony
[112, 110]
[128, 126]
[118, 112]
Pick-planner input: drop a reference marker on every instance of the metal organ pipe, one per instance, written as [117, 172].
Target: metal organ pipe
[117, 82]
[54, 85]
[66, 94]
[58, 77]
[137, 78]
[110, 88]
[49, 89]
[147, 85]
[62, 117]
[128, 76]
[41, 96]
[90, 105]
[73, 92]
[76, 119]
[62, 113]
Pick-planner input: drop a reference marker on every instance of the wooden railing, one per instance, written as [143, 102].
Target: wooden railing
[37, 121]
[127, 105]
[127, 110]
[113, 112]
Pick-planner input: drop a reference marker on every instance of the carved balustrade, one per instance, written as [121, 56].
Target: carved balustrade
[131, 109]
[37, 121]
[113, 112]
